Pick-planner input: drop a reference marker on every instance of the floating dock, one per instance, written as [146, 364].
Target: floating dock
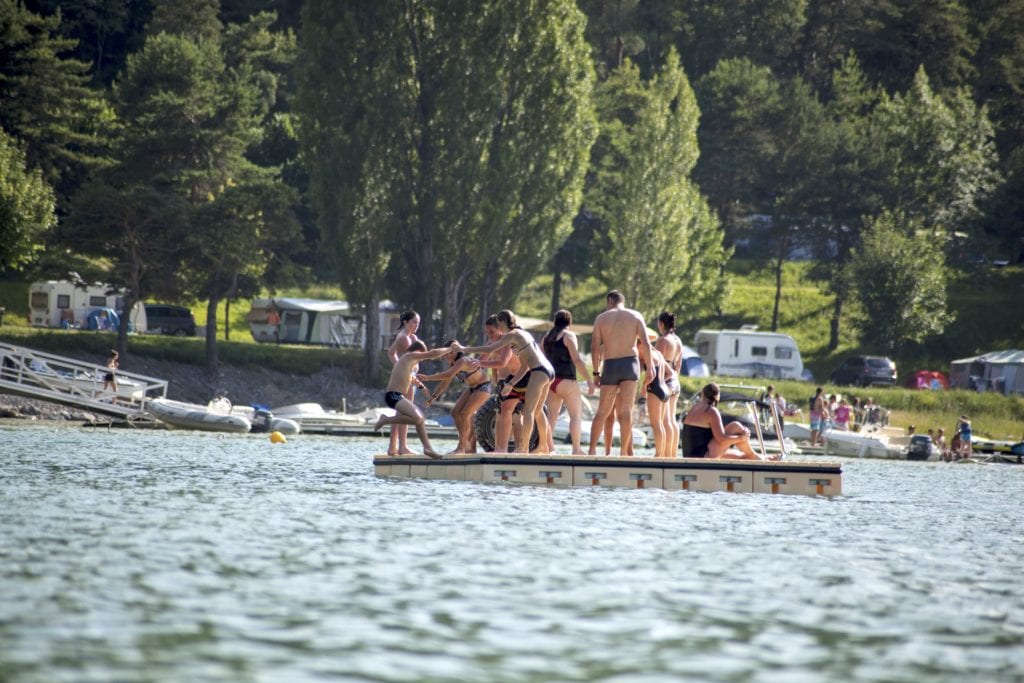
[688, 474]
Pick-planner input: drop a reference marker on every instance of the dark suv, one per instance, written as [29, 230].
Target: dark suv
[170, 319]
[865, 371]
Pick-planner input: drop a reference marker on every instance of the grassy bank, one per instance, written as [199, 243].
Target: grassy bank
[294, 359]
[992, 415]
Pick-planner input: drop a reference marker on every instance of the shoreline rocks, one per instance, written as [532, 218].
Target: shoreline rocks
[243, 386]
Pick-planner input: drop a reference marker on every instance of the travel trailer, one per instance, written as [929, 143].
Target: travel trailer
[315, 321]
[749, 353]
[60, 303]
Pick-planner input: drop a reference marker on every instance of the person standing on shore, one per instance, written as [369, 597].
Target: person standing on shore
[409, 323]
[618, 344]
[819, 411]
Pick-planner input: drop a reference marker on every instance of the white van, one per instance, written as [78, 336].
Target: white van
[60, 303]
[749, 353]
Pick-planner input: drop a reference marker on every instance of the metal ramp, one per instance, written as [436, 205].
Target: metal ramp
[48, 377]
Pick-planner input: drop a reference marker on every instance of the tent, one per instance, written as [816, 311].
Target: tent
[928, 379]
[1001, 371]
[96, 320]
[306, 321]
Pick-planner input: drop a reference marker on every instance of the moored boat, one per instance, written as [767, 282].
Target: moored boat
[210, 418]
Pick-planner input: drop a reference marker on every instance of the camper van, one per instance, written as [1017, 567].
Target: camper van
[748, 353]
[60, 303]
[289, 320]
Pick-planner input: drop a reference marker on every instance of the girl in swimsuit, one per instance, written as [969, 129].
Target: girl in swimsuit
[476, 393]
[671, 349]
[407, 326]
[704, 423]
[657, 401]
[533, 365]
[562, 350]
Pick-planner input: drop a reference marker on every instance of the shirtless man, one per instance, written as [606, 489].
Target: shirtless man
[406, 412]
[620, 340]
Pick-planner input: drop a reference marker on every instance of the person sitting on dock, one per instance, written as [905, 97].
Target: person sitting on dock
[476, 393]
[704, 435]
[407, 413]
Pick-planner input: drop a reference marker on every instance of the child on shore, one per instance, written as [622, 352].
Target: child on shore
[407, 413]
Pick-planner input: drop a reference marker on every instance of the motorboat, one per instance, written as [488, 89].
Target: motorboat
[312, 418]
[263, 419]
[210, 418]
[561, 434]
[874, 441]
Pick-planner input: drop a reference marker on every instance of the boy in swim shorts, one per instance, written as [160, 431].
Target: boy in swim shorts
[406, 412]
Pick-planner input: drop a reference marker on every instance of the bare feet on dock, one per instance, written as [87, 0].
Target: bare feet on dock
[432, 454]
[406, 451]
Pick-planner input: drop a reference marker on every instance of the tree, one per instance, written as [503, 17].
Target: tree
[900, 282]
[46, 100]
[26, 206]
[741, 106]
[663, 244]
[189, 119]
[447, 144]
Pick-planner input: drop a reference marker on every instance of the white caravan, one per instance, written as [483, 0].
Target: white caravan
[749, 353]
[60, 303]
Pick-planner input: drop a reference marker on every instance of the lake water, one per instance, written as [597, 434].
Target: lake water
[168, 556]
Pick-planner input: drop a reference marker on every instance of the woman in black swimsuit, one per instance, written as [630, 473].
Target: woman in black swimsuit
[562, 349]
[657, 402]
[704, 436]
[476, 393]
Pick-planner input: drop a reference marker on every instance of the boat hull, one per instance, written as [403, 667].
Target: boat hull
[692, 474]
[179, 415]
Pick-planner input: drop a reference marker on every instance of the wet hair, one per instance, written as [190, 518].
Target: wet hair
[492, 321]
[711, 392]
[508, 317]
[668, 320]
[417, 345]
[616, 297]
[406, 317]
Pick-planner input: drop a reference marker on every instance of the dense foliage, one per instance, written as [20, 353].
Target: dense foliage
[447, 146]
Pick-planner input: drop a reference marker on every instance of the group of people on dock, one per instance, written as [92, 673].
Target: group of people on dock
[538, 376]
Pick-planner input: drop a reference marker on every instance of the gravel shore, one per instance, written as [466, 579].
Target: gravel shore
[331, 388]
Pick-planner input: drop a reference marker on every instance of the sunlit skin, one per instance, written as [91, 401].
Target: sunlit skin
[398, 443]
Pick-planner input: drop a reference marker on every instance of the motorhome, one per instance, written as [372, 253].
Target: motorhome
[748, 353]
[290, 320]
[61, 303]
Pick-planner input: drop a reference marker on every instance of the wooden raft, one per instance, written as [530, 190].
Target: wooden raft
[692, 474]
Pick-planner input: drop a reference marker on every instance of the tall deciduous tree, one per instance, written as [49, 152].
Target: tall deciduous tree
[664, 245]
[447, 142]
[900, 282]
[26, 206]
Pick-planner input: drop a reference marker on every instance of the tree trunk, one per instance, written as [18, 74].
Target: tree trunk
[122, 326]
[227, 319]
[212, 369]
[780, 258]
[371, 370]
[556, 286]
[837, 312]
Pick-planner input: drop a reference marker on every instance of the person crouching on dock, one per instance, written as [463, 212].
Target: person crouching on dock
[407, 413]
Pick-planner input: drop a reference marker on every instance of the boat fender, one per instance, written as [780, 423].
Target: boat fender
[277, 437]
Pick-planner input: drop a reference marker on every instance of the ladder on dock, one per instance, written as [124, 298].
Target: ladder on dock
[49, 377]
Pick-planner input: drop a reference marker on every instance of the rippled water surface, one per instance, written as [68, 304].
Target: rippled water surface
[163, 556]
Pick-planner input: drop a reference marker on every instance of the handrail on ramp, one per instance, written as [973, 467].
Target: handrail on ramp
[58, 379]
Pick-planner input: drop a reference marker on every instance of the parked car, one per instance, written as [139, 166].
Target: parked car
[865, 371]
[169, 319]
